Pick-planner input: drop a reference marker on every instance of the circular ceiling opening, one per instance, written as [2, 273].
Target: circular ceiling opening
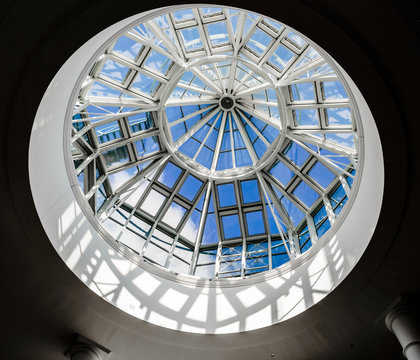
[214, 176]
[214, 142]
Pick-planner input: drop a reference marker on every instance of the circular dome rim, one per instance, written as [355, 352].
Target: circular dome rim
[228, 281]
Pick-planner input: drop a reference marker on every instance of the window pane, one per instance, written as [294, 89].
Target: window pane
[174, 215]
[231, 227]
[226, 194]
[218, 33]
[108, 132]
[338, 116]
[305, 193]
[191, 39]
[296, 154]
[303, 91]
[250, 191]
[158, 62]
[127, 47]
[114, 70]
[281, 57]
[321, 175]
[169, 175]
[334, 90]
[153, 202]
[259, 41]
[282, 173]
[306, 117]
[116, 156]
[147, 145]
[190, 187]
[255, 223]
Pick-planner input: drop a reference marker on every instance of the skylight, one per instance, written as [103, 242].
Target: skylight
[214, 142]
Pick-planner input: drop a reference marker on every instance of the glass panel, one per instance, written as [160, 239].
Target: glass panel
[183, 15]
[294, 213]
[259, 41]
[255, 223]
[226, 194]
[190, 229]
[101, 90]
[225, 161]
[147, 145]
[116, 156]
[100, 197]
[190, 187]
[338, 198]
[303, 91]
[145, 84]
[295, 39]
[282, 173]
[114, 70]
[231, 227]
[321, 175]
[153, 202]
[210, 230]
[333, 90]
[250, 191]
[121, 177]
[191, 39]
[205, 157]
[306, 117]
[108, 132]
[208, 11]
[260, 147]
[170, 175]
[218, 33]
[321, 222]
[156, 253]
[127, 47]
[140, 122]
[190, 147]
[281, 57]
[296, 154]
[158, 62]
[242, 158]
[305, 193]
[174, 215]
[279, 254]
[343, 139]
[338, 116]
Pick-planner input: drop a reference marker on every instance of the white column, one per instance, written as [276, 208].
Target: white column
[84, 349]
[402, 322]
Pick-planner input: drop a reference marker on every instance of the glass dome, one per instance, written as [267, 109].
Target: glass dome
[215, 142]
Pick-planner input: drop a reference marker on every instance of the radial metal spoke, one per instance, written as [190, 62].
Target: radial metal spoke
[325, 144]
[271, 198]
[201, 226]
[207, 135]
[218, 142]
[191, 101]
[330, 130]
[253, 89]
[173, 50]
[189, 116]
[261, 116]
[246, 140]
[193, 129]
[254, 128]
[203, 77]
[197, 89]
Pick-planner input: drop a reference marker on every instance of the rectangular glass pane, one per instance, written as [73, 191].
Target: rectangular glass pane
[153, 202]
